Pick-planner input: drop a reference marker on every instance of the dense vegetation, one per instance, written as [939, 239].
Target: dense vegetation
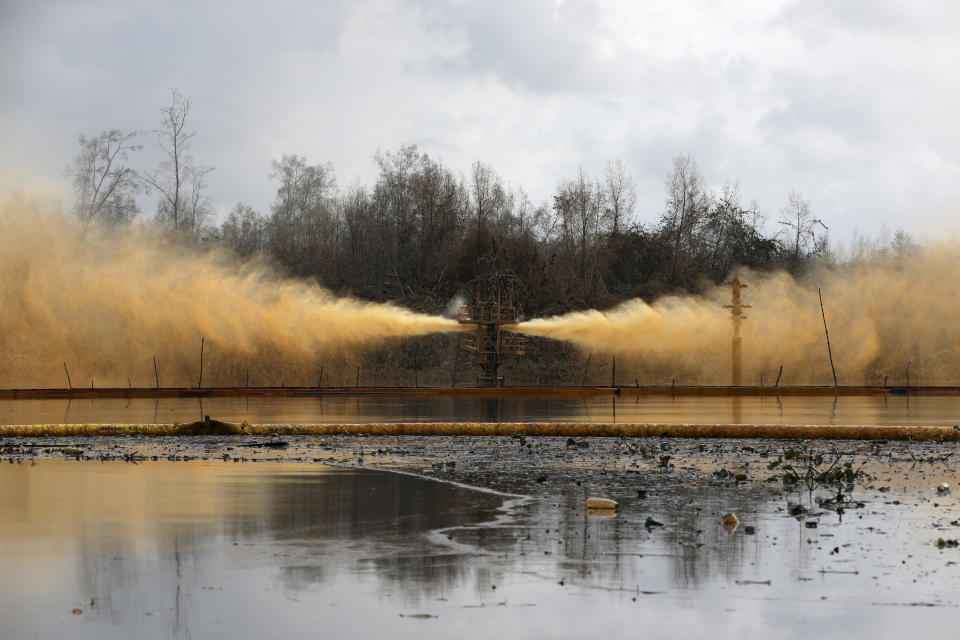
[422, 232]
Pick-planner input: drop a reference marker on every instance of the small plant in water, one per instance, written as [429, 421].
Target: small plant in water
[802, 467]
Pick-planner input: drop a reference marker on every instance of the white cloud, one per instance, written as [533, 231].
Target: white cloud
[851, 103]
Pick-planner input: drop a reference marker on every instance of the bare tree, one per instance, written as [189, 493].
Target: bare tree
[620, 195]
[303, 213]
[483, 188]
[105, 187]
[394, 194]
[578, 203]
[796, 216]
[303, 187]
[528, 217]
[244, 230]
[687, 200]
[178, 179]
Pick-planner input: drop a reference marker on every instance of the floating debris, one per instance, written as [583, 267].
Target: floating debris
[601, 504]
[272, 444]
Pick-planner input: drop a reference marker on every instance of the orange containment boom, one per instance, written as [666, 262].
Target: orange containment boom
[564, 429]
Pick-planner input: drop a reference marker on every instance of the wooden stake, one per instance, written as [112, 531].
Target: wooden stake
[827, 333]
[613, 373]
[156, 372]
[779, 373]
[69, 383]
[320, 379]
[200, 380]
[358, 378]
[583, 380]
[456, 356]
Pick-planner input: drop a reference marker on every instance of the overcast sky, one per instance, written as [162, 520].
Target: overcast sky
[854, 103]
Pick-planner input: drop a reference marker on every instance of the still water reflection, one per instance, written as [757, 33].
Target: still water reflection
[211, 550]
[878, 409]
[165, 549]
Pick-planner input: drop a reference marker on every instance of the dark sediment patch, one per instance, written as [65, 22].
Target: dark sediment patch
[209, 427]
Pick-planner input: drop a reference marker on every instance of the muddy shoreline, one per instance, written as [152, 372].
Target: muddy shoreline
[646, 475]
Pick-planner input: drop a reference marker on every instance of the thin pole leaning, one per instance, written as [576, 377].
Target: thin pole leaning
[156, 372]
[456, 355]
[200, 380]
[69, 382]
[583, 380]
[827, 334]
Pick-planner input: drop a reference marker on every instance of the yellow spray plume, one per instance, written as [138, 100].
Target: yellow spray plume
[108, 302]
[885, 314]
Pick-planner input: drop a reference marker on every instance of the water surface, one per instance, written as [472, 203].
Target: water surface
[212, 550]
[874, 409]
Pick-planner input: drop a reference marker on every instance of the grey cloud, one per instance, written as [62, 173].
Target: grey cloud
[856, 111]
[534, 45]
[818, 19]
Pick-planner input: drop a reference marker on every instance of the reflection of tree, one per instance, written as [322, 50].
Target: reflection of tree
[425, 575]
[592, 544]
[705, 549]
[620, 553]
[167, 531]
[332, 523]
[125, 587]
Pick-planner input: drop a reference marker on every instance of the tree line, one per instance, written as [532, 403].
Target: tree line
[421, 232]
